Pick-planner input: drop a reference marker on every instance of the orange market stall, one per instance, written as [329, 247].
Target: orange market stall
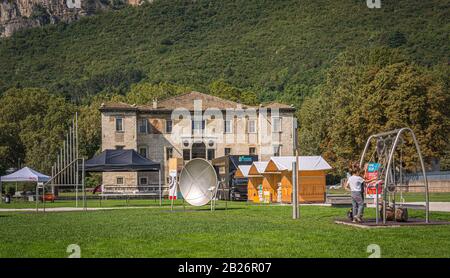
[256, 190]
[311, 173]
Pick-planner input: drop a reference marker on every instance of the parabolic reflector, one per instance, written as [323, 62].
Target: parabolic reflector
[198, 180]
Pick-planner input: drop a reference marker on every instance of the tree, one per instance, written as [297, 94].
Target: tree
[145, 93]
[222, 89]
[367, 92]
[32, 125]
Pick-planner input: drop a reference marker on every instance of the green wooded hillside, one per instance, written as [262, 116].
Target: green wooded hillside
[269, 46]
[351, 71]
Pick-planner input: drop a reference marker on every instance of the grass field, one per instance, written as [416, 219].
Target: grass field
[241, 231]
[93, 203]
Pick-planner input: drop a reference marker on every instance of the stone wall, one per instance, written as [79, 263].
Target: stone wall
[111, 139]
[156, 140]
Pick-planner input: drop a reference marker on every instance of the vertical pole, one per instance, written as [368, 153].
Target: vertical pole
[72, 149]
[173, 182]
[63, 163]
[83, 184]
[59, 166]
[67, 164]
[160, 188]
[70, 155]
[425, 179]
[37, 197]
[384, 200]
[294, 191]
[77, 163]
[43, 196]
[377, 203]
[295, 167]
[82, 166]
[53, 179]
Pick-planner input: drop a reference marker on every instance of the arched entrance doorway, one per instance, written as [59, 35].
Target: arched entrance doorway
[198, 150]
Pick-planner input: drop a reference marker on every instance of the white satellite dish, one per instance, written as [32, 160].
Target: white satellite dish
[198, 182]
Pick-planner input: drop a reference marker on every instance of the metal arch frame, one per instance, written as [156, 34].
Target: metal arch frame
[398, 133]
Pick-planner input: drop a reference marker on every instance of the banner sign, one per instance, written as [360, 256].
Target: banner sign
[372, 173]
[172, 184]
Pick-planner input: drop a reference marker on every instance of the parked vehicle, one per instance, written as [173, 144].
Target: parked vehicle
[234, 189]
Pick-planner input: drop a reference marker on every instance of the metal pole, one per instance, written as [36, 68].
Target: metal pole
[425, 179]
[63, 162]
[69, 155]
[68, 161]
[160, 188]
[43, 196]
[295, 172]
[294, 191]
[59, 165]
[1, 191]
[83, 184]
[53, 179]
[421, 163]
[77, 163]
[377, 203]
[37, 197]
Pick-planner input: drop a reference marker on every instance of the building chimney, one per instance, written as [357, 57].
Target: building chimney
[155, 103]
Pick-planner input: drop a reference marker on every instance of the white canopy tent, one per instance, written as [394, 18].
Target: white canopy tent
[23, 175]
[305, 163]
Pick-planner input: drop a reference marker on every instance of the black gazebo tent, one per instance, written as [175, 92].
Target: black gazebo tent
[123, 161]
[120, 161]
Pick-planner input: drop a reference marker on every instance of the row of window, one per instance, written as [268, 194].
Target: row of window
[210, 154]
[189, 154]
[200, 125]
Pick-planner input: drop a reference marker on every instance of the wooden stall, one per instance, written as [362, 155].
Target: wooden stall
[312, 181]
[258, 190]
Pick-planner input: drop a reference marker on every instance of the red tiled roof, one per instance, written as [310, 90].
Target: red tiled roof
[187, 101]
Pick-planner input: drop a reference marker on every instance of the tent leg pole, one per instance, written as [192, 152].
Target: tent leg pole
[37, 197]
[83, 186]
[1, 192]
[160, 188]
[43, 197]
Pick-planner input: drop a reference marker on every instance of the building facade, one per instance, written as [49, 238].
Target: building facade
[193, 125]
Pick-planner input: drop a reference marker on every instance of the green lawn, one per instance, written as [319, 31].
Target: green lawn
[20, 203]
[241, 231]
[90, 203]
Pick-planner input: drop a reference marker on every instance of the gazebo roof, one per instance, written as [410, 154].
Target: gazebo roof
[120, 161]
[25, 175]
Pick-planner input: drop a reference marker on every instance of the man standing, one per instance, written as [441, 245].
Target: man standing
[355, 182]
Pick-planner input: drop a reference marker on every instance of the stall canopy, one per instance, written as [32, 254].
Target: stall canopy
[120, 161]
[25, 175]
[306, 163]
[242, 171]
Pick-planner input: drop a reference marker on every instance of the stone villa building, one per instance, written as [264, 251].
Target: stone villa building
[193, 125]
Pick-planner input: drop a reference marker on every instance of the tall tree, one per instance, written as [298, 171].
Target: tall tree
[371, 91]
[32, 126]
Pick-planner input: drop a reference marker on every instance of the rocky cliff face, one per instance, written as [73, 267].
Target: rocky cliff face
[20, 14]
